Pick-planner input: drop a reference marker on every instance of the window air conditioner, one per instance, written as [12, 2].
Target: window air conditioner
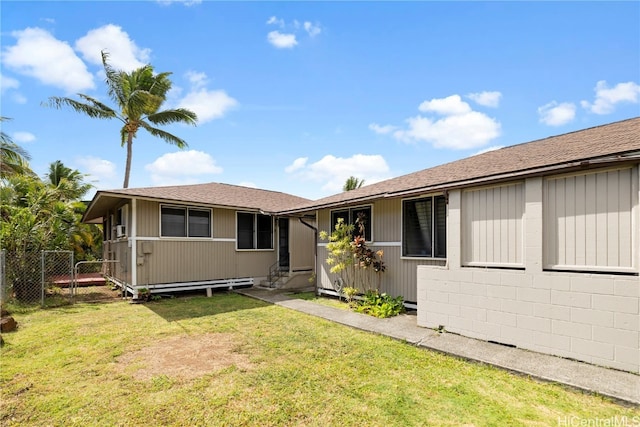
[121, 231]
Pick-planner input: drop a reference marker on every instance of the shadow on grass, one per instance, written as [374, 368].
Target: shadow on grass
[188, 306]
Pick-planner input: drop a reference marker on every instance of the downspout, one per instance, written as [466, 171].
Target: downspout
[315, 248]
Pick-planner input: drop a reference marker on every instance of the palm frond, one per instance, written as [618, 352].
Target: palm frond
[161, 84]
[14, 160]
[123, 135]
[166, 136]
[178, 115]
[142, 103]
[80, 107]
[113, 80]
[97, 104]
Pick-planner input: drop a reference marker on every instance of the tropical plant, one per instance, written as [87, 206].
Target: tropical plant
[350, 257]
[139, 95]
[36, 216]
[14, 160]
[380, 304]
[69, 182]
[352, 183]
[340, 258]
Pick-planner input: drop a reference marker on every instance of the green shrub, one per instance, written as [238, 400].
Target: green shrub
[380, 304]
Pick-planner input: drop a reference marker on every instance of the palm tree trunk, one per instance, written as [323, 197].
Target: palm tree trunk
[127, 168]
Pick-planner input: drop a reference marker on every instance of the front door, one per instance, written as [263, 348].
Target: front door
[283, 243]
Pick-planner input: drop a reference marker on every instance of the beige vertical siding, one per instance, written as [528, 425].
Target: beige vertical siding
[400, 276]
[119, 251]
[185, 260]
[224, 224]
[172, 261]
[300, 246]
[492, 219]
[386, 220]
[224, 220]
[148, 214]
[385, 215]
[324, 221]
[589, 220]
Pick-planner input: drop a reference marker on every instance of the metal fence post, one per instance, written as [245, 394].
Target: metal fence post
[3, 281]
[42, 283]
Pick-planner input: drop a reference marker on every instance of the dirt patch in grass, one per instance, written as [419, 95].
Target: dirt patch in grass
[185, 357]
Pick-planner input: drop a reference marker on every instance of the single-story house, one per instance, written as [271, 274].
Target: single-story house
[202, 236]
[534, 245]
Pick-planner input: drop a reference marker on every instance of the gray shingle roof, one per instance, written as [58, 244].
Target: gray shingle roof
[528, 158]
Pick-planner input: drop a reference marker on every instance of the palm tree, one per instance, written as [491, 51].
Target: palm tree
[139, 96]
[352, 183]
[14, 160]
[69, 182]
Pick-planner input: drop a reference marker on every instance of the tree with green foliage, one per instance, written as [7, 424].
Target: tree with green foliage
[14, 160]
[358, 265]
[70, 182]
[36, 216]
[352, 183]
[139, 96]
[360, 269]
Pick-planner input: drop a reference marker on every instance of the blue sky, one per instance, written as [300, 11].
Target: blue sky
[298, 96]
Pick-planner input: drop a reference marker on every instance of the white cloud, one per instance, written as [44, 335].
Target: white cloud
[554, 114]
[18, 98]
[607, 98]
[311, 29]
[183, 2]
[53, 62]
[182, 167]
[124, 54]
[461, 128]
[382, 130]
[488, 149]
[248, 184]
[333, 171]
[9, 88]
[275, 21]
[208, 104]
[281, 40]
[7, 83]
[445, 106]
[101, 172]
[298, 163]
[487, 99]
[197, 79]
[23, 137]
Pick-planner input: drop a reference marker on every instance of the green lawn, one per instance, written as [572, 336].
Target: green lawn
[65, 367]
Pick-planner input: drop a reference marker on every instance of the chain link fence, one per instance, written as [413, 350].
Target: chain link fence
[50, 278]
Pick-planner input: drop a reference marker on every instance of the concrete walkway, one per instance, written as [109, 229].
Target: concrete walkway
[619, 385]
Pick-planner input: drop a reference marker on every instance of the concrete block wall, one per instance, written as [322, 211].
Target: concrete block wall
[593, 318]
[590, 317]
